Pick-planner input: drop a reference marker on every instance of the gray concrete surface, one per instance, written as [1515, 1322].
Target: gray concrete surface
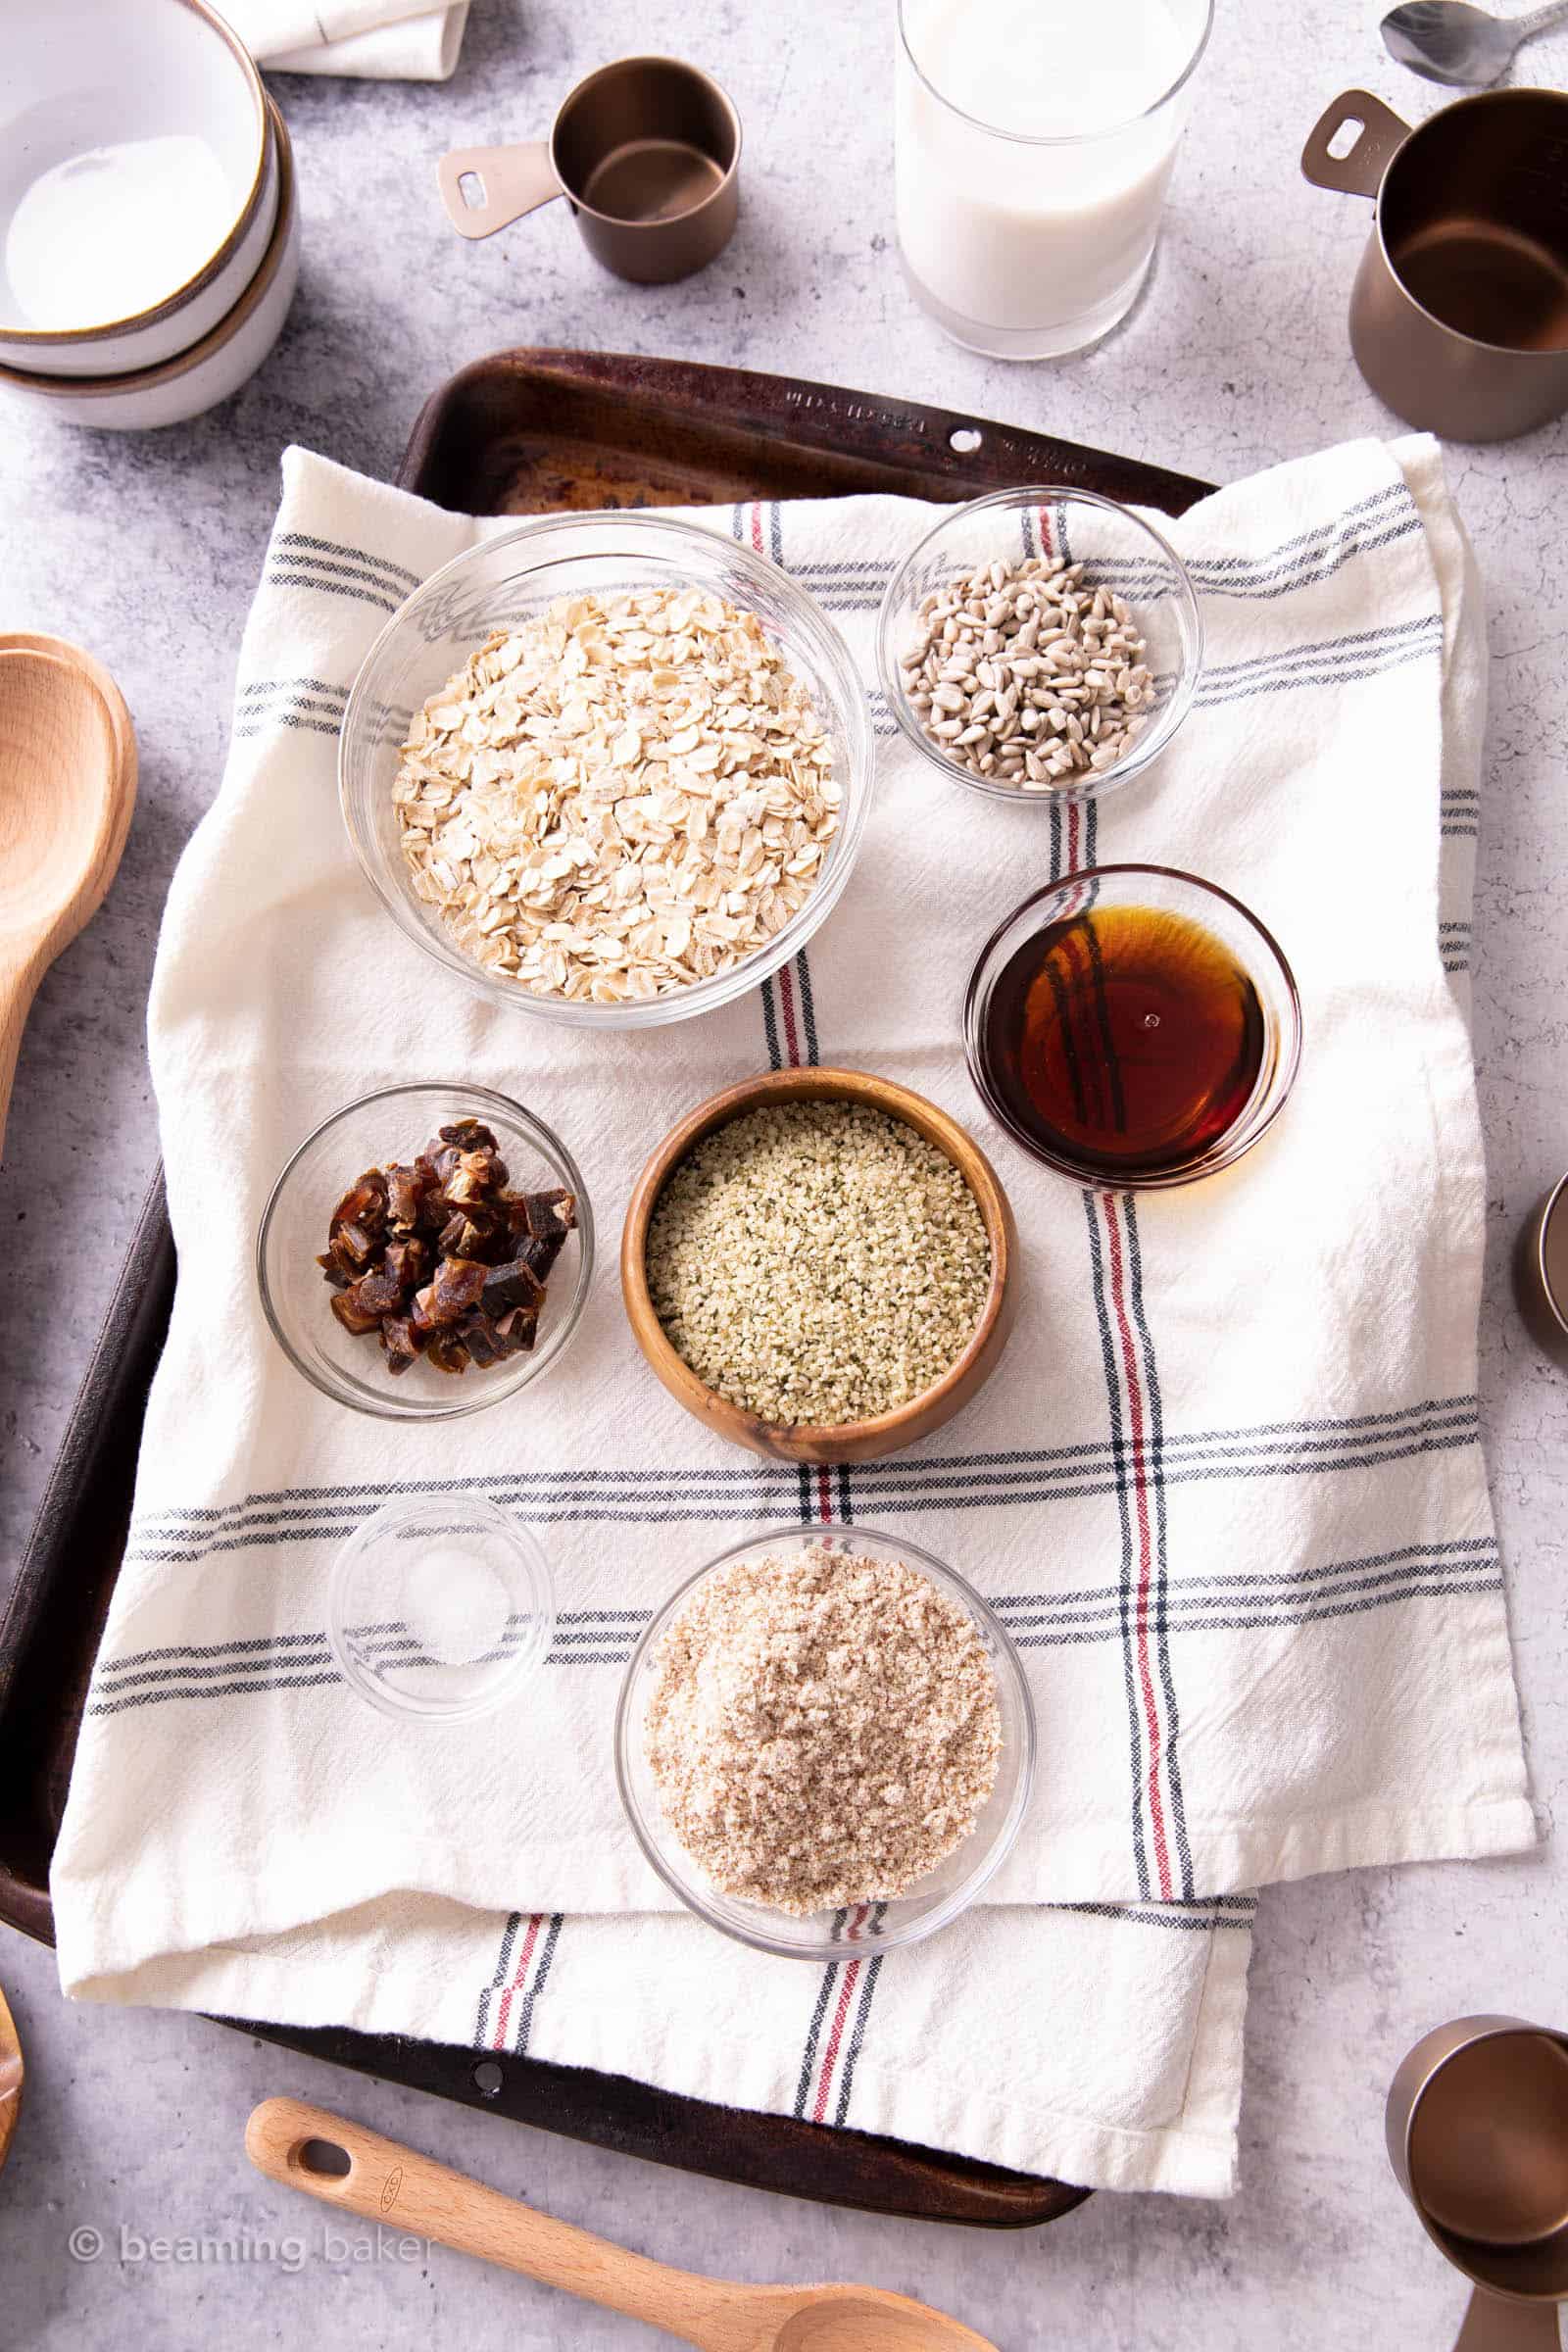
[148, 550]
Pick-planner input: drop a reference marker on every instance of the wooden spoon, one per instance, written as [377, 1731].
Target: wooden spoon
[10, 2079]
[401, 2190]
[68, 786]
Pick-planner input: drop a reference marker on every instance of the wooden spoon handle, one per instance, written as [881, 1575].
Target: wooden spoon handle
[9, 2078]
[19, 976]
[402, 2191]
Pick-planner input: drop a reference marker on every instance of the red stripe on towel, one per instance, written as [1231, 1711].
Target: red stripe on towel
[1137, 1415]
[499, 2039]
[786, 999]
[850, 1979]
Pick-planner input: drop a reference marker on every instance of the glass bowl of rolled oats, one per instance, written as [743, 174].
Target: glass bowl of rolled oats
[612, 769]
[826, 1742]
[1041, 645]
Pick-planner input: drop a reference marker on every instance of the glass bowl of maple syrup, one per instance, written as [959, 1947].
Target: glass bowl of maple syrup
[1133, 1026]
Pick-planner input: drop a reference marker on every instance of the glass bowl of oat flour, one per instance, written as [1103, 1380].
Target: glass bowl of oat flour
[915, 1702]
[608, 770]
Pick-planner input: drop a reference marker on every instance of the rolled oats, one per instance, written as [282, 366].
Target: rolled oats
[621, 796]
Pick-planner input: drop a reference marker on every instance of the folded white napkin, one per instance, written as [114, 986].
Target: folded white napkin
[372, 41]
[1226, 1487]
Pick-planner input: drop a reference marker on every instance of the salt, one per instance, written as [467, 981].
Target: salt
[455, 1605]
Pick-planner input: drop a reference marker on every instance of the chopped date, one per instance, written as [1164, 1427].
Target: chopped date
[516, 1285]
[476, 1229]
[551, 1215]
[517, 1330]
[408, 1262]
[458, 1284]
[477, 1335]
[351, 1314]
[378, 1293]
[364, 1205]
[439, 1258]
[353, 1247]
[447, 1351]
[408, 1188]
[540, 1256]
[401, 1342]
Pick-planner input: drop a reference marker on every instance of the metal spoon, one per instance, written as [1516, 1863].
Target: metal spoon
[1448, 40]
[347, 2166]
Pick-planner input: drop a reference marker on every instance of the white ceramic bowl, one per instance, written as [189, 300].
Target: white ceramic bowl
[139, 182]
[197, 380]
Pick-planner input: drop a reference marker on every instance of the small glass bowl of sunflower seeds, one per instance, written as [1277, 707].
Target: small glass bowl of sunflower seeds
[1041, 644]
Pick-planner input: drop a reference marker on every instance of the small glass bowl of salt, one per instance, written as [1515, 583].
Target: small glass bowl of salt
[439, 1606]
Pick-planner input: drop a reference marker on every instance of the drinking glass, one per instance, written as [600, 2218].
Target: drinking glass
[1034, 140]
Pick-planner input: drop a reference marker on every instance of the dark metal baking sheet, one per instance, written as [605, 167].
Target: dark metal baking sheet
[528, 431]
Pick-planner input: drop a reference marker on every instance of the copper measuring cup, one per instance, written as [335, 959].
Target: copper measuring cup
[1459, 312]
[1478, 2138]
[1541, 1274]
[647, 153]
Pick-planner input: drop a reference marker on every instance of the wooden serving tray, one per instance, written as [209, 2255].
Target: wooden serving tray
[530, 431]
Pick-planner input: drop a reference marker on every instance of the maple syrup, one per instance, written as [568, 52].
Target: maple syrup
[1127, 1041]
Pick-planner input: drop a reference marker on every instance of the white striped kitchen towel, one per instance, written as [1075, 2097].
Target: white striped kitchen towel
[365, 40]
[1226, 1489]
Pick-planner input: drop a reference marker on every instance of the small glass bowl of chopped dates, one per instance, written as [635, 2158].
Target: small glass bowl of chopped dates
[427, 1251]
[1041, 645]
[826, 1742]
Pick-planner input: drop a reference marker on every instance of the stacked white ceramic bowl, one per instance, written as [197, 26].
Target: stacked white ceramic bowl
[149, 224]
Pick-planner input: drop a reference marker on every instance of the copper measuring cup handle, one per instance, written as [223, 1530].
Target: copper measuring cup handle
[1493, 2326]
[1359, 171]
[513, 181]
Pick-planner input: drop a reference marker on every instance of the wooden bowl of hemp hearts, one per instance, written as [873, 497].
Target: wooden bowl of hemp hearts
[819, 1264]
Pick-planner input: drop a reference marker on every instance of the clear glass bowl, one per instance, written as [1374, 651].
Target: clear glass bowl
[1117, 550]
[438, 1608]
[394, 1124]
[505, 580]
[1165, 888]
[934, 1900]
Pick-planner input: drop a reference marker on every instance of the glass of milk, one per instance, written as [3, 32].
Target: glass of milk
[1033, 141]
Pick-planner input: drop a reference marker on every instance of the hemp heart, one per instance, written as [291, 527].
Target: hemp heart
[817, 1262]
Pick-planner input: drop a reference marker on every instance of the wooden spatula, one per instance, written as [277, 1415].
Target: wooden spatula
[306, 2148]
[68, 786]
